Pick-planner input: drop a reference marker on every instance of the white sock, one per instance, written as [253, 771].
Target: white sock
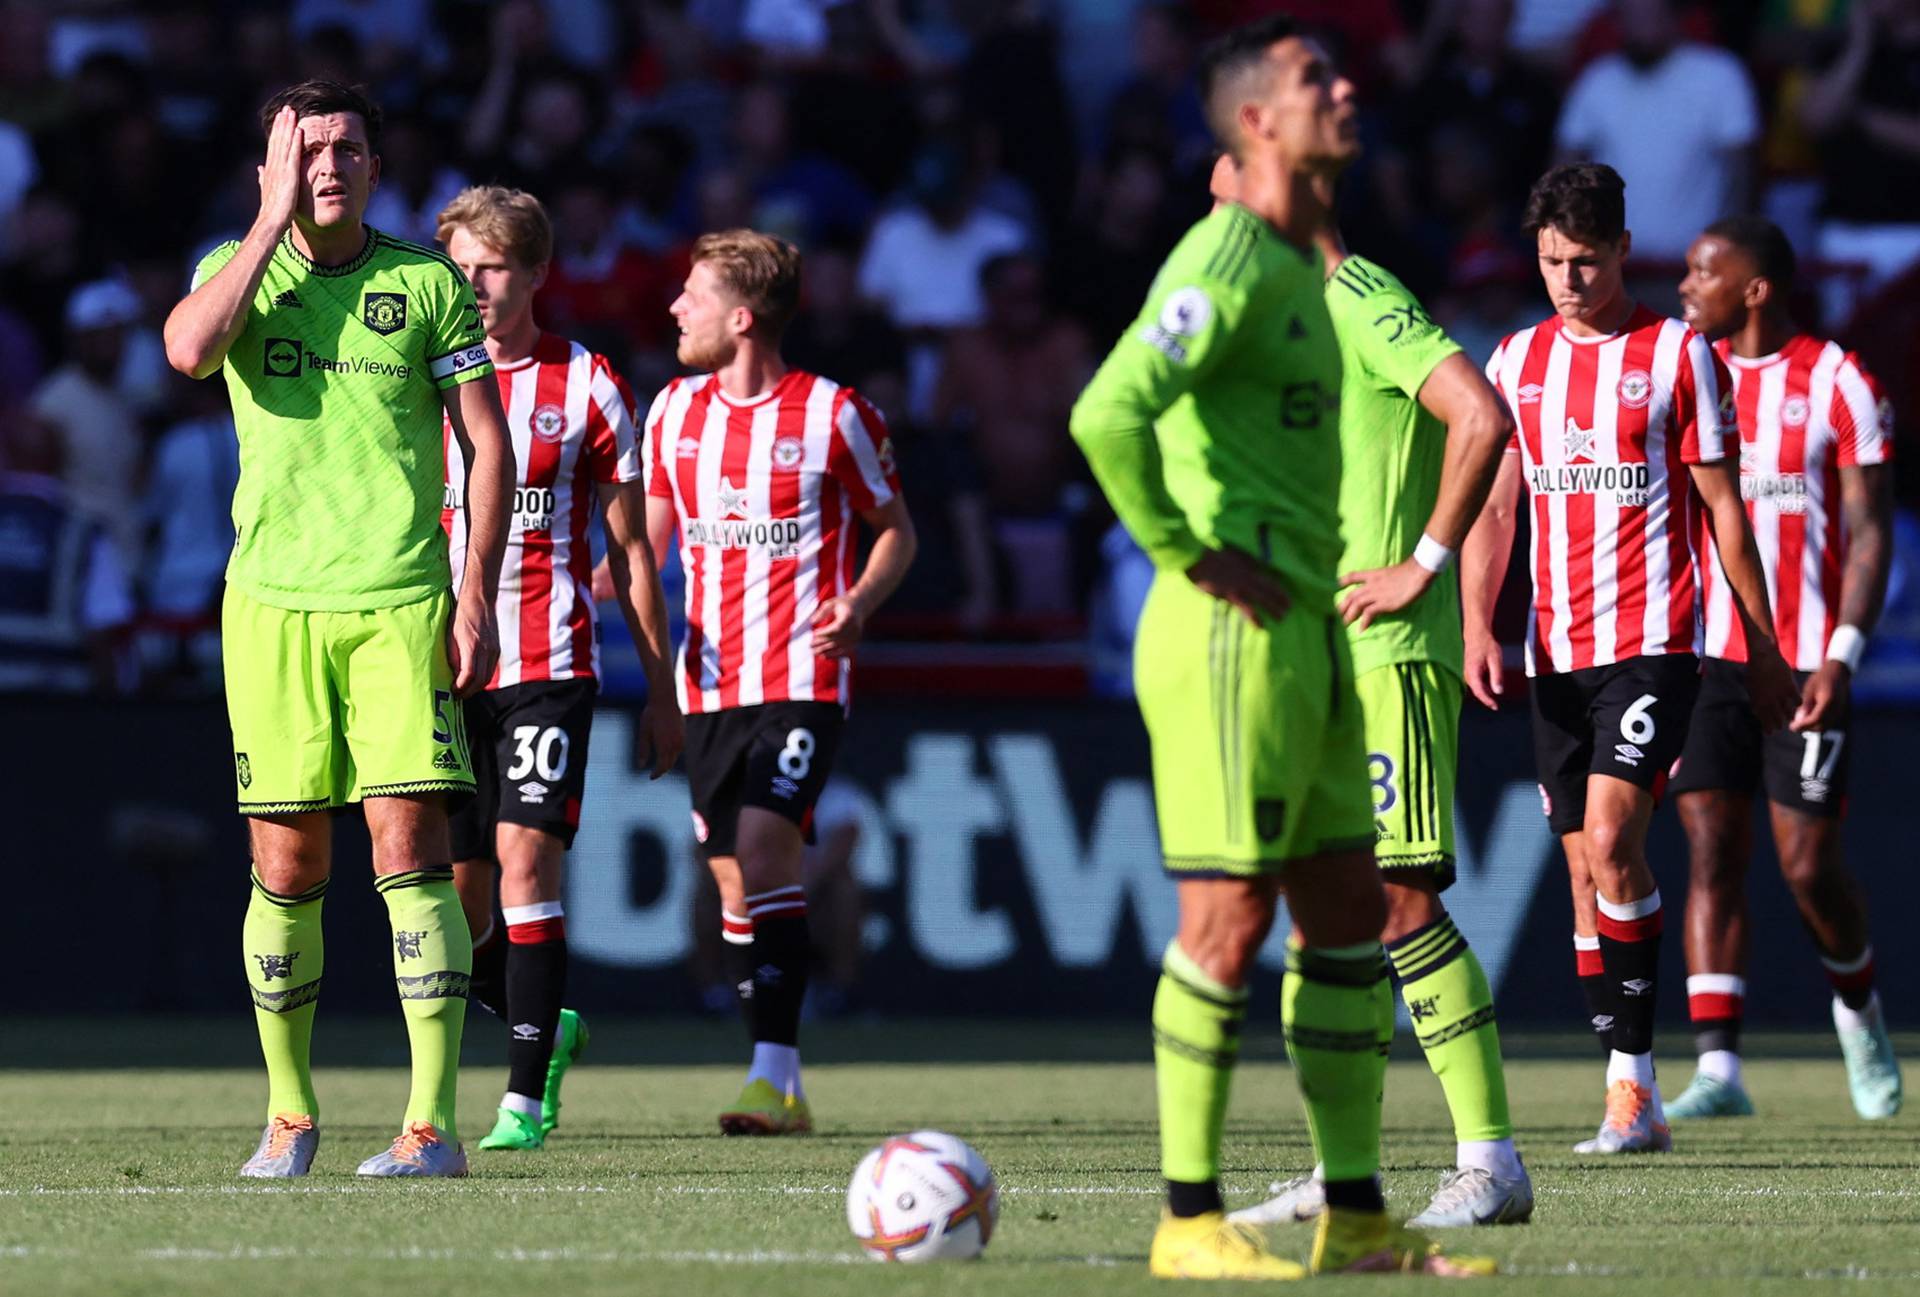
[1637, 1068]
[1846, 1019]
[1721, 1065]
[779, 1066]
[521, 1104]
[1493, 1155]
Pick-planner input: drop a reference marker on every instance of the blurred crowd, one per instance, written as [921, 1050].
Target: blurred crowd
[983, 190]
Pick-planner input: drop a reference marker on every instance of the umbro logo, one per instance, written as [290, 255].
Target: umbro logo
[534, 791]
[1530, 394]
[289, 298]
[686, 448]
[1629, 753]
[1603, 1022]
[526, 1031]
[1636, 986]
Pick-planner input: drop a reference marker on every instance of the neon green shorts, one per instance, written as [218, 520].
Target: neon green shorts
[1258, 756]
[332, 707]
[1412, 712]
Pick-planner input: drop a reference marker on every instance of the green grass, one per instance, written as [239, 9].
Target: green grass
[118, 1178]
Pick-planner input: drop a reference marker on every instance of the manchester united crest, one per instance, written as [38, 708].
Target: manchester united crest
[384, 313]
[548, 423]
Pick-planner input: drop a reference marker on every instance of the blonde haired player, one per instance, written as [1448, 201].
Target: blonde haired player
[764, 471]
[577, 449]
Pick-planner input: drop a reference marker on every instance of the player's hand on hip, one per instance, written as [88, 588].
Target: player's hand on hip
[1770, 686]
[473, 646]
[837, 627]
[281, 173]
[1381, 591]
[1243, 581]
[1486, 668]
[1828, 699]
[664, 731]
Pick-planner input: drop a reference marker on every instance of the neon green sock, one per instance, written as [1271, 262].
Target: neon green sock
[432, 966]
[284, 958]
[1337, 1011]
[1452, 1010]
[1196, 1042]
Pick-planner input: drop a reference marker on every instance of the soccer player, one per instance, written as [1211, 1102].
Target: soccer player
[1421, 437]
[1815, 441]
[345, 653]
[1625, 425]
[575, 446]
[764, 470]
[1212, 427]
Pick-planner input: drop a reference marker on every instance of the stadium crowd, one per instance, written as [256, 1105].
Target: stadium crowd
[982, 188]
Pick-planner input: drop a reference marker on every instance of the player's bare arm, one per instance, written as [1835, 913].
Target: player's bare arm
[838, 625]
[636, 587]
[1478, 428]
[480, 426]
[1483, 569]
[201, 328]
[1866, 503]
[1769, 679]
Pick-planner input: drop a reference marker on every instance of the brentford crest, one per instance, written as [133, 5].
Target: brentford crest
[1636, 388]
[1794, 411]
[548, 422]
[787, 453]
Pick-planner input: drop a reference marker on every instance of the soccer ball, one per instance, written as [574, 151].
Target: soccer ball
[923, 1197]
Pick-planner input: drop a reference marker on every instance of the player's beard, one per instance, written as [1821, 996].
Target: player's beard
[705, 357]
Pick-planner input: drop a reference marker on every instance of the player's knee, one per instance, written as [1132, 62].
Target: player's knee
[1409, 909]
[1610, 848]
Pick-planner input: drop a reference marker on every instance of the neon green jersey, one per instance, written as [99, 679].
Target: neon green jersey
[336, 380]
[1213, 422]
[1392, 451]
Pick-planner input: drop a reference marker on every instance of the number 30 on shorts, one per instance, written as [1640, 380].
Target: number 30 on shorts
[541, 750]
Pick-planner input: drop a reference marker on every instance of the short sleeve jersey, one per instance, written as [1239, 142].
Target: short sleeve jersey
[1391, 451]
[1233, 361]
[336, 380]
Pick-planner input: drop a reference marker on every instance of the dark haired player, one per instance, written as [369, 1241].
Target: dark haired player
[345, 655]
[1625, 430]
[1213, 428]
[1816, 438]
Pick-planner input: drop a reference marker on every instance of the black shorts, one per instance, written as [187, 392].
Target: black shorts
[1726, 750]
[774, 755]
[1628, 720]
[529, 745]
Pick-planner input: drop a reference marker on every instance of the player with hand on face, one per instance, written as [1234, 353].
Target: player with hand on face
[345, 655]
[765, 470]
[576, 447]
[1816, 445]
[1213, 429]
[1421, 437]
[1625, 430]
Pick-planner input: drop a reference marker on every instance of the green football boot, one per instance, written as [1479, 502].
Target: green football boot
[515, 1130]
[1873, 1073]
[1710, 1096]
[566, 1052]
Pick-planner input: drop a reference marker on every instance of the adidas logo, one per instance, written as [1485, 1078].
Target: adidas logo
[1636, 986]
[446, 760]
[289, 298]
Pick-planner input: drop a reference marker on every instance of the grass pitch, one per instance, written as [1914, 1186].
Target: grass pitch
[119, 1179]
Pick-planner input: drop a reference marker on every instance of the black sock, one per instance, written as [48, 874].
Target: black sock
[778, 981]
[1594, 985]
[1356, 1195]
[1194, 1197]
[536, 984]
[488, 989]
[1630, 953]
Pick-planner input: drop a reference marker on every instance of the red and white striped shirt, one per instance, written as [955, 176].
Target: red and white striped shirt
[1806, 412]
[1606, 428]
[765, 493]
[571, 420]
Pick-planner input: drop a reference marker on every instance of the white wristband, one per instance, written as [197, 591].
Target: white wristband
[1847, 647]
[1432, 555]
